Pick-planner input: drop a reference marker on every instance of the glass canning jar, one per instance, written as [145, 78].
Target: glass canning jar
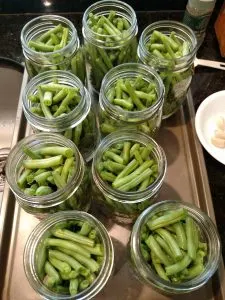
[113, 117]
[69, 58]
[42, 231]
[208, 233]
[103, 55]
[81, 118]
[176, 74]
[124, 207]
[73, 196]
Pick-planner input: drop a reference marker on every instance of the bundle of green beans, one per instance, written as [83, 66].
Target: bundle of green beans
[169, 48]
[70, 259]
[171, 243]
[131, 94]
[112, 30]
[85, 134]
[54, 99]
[127, 167]
[46, 170]
[53, 40]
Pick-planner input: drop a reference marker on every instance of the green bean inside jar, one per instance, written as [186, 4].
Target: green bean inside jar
[131, 97]
[127, 173]
[57, 101]
[174, 247]
[170, 48]
[51, 42]
[69, 255]
[46, 173]
[109, 31]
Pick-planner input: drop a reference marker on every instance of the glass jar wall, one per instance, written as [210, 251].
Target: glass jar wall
[109, 32]
[176, 72]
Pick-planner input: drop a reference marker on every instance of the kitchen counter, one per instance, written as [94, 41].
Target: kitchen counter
[205, 82]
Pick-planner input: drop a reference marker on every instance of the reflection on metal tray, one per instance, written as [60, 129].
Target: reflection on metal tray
[186, 180]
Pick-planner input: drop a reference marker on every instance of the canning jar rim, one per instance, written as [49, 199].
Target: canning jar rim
[143, 53]
[73, 118]
[56, 197]
[128, 197]
[73, 42]
[150, 276]
[94, 37]
[130, 69]
[36, 235]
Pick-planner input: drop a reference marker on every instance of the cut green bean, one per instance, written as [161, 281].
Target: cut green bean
[68, 245]
[72, 236]
[168, 219]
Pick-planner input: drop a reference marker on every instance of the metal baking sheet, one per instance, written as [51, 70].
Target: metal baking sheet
[186, 180]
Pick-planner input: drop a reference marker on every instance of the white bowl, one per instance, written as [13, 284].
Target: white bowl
[205, 123]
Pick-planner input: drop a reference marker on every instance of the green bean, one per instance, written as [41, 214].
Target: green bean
[65, 102]
[128, 169]
[72, 236]
[144, 184]
[113, 156]
[60, 95]
[67, 276]
[59, 289]
[48, 33]
[55, 254]
[107, 176]
[156, 249]
[159, 269]
[62, 266]
[47, 98]
[113, 166]
[168, 219]
[91, 278]
[169, 239]
[59, 181]
[43, 163]
[65, 171]
[179, 266]
[49, 282]
[85, 229]
[122, 181]
[31, 153]
[43, 190]
[68, 245]
[96, 250]
[56, 87]
[52, 272]
[77, 134]
[135, 181]
[73, 287]
[84, 284]
[41, 178]
[87, 262]
[181, 237]
[45, 109]
[191, 247]
[92, 234]
[23, 177]
[165, 246]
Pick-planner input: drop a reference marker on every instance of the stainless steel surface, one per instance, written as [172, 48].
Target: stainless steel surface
[3, 156]
[10, 84]
[186, 180]
[209, 63]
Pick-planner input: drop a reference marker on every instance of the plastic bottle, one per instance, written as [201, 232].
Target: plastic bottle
[197, 16]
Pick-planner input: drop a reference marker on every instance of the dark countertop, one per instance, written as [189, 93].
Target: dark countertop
[205, 82]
